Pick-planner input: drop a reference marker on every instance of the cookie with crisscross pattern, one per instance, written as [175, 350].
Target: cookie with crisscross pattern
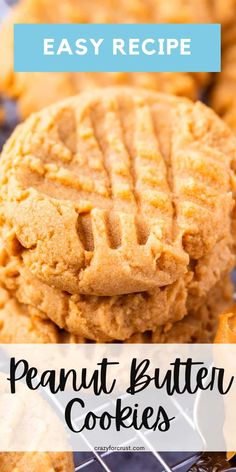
[113, 193]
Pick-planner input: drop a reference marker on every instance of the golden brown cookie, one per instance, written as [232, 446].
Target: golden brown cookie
[224, 86]
[223, 97]
[226, 332]
[201, 322]
[223, 12]
[200, 325]
[36, 462]
[36, 90]
[93, 171]
[17, 325]
[207, 272]
[100, 318]
[114, 193]
[37, 253]
[108, 318]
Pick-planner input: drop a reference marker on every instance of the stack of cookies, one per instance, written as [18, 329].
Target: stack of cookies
[116, 220]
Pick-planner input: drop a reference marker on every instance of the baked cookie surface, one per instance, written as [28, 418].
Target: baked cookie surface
[17, 327]
[36, 462]
[200, 324]
[226, 332]
[222, 96]
[113, 193]
[19, 323]
[111, 318]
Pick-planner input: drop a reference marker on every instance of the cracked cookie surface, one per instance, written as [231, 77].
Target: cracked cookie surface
[113, 193]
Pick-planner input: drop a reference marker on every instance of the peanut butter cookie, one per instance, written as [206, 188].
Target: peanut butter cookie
[36, 462]
[199, 326]
[113, 193]
[223, 97]
[118, 317]
[18, 324]
[17, 327]
[226, 332]
[224, 13]
[224, 85]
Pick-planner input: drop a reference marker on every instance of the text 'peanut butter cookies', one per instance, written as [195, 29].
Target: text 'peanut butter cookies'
[113, 193]
[36, 90]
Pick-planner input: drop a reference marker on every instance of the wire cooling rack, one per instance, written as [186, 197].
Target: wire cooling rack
[157, 462]
[181, 462]
[195, 462]
[149, 461]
